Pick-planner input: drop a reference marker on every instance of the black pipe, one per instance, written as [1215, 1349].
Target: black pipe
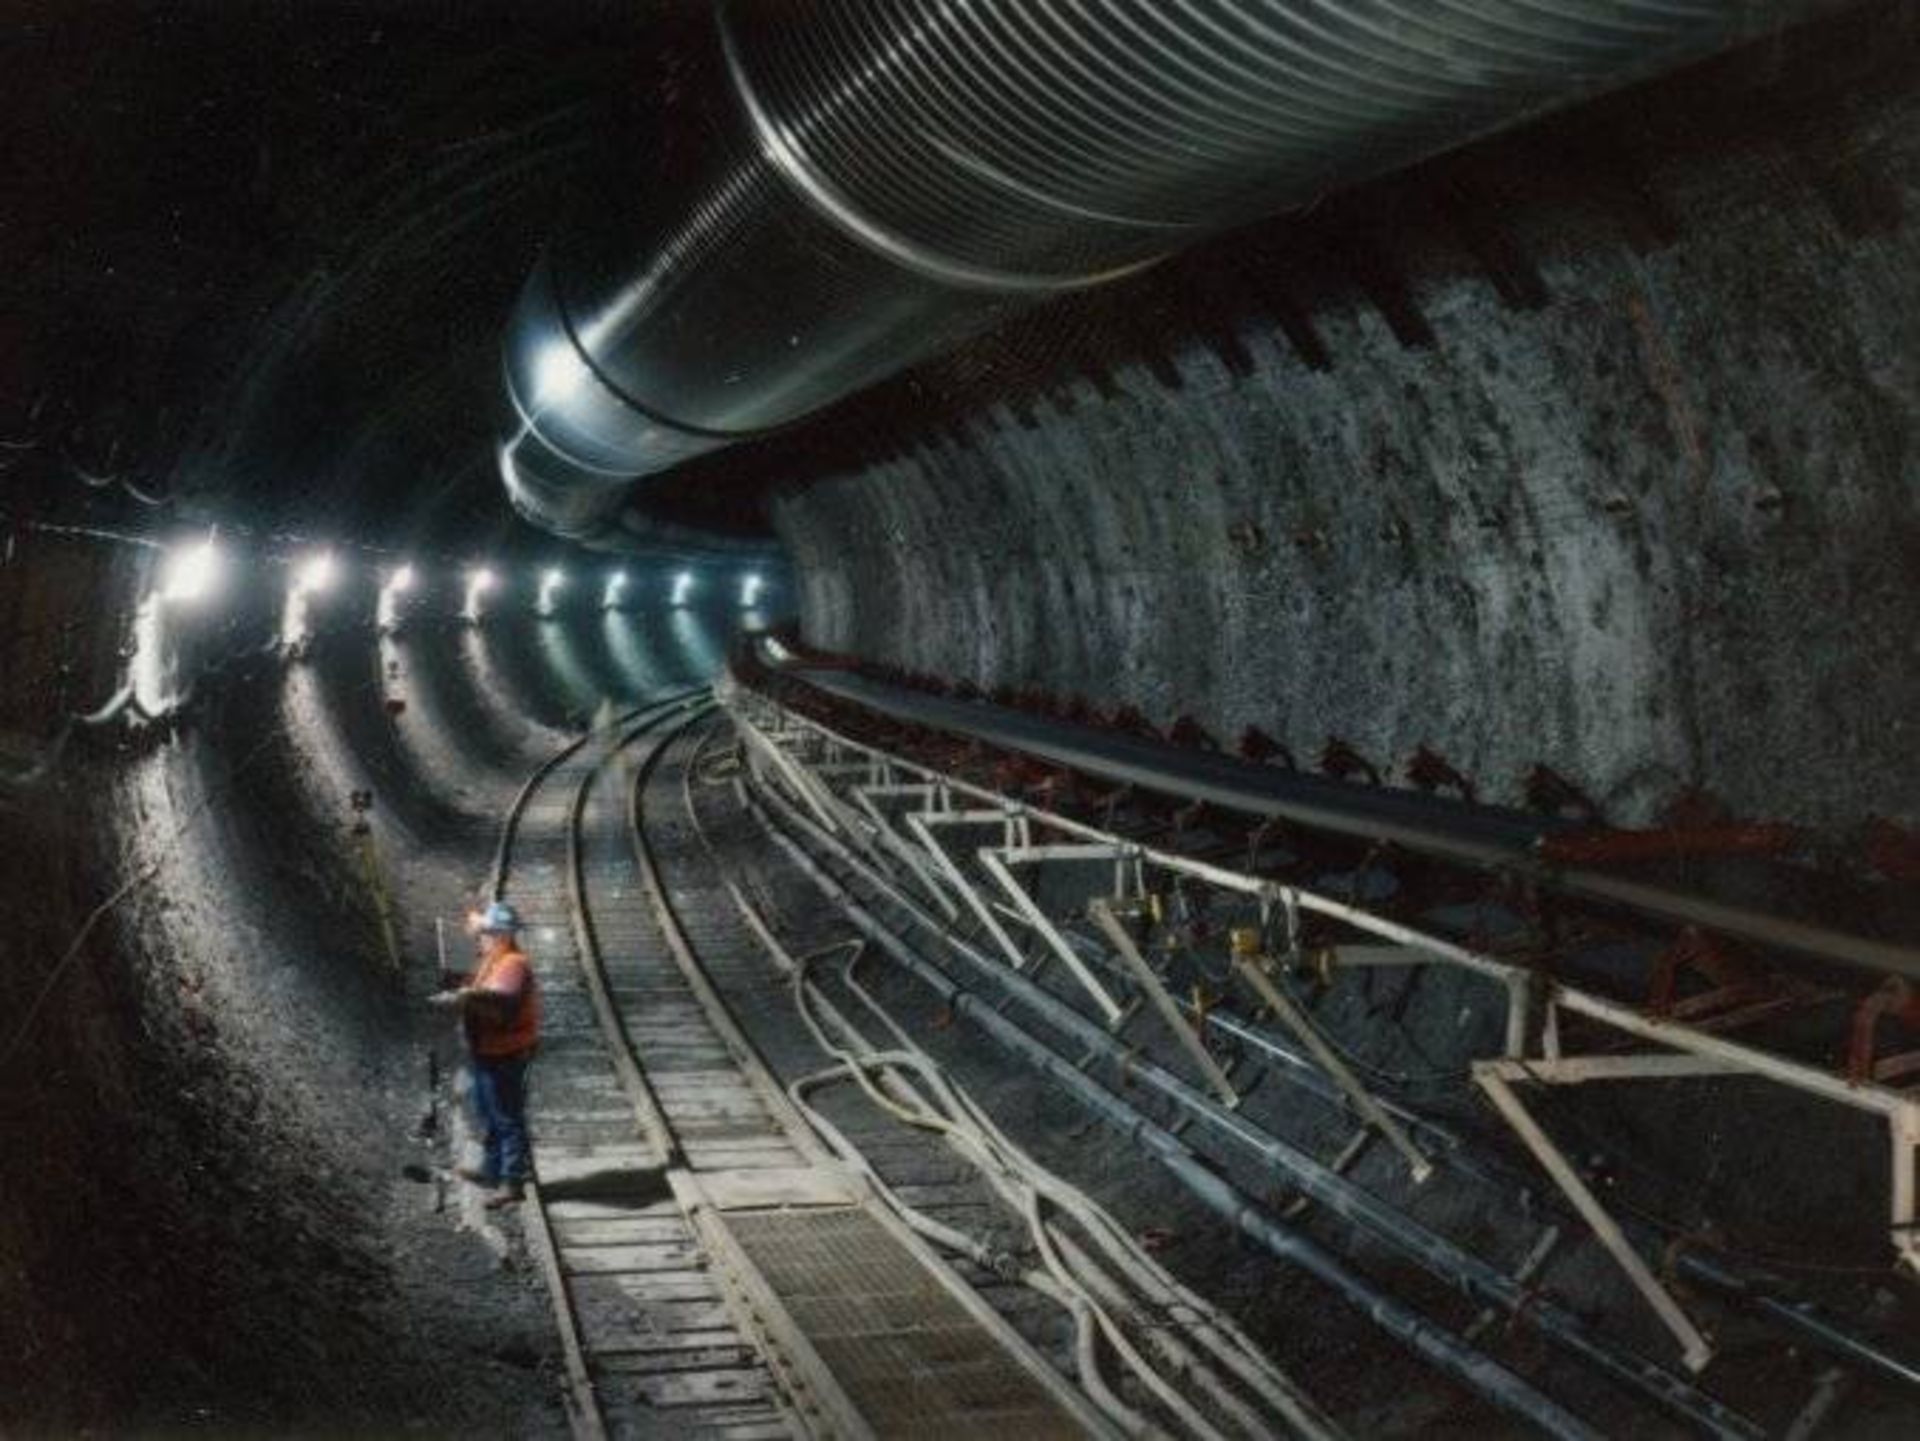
[1426, 1338]
[1340, 1196]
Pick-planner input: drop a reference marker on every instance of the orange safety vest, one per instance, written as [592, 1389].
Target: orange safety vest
[519, 1032]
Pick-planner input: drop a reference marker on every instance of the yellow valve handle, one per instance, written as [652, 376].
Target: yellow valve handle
[1202, 1007]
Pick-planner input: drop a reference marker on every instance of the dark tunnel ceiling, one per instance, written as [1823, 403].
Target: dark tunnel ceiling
[261, 261]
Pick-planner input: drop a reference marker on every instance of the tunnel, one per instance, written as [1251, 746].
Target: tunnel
[1189, 719]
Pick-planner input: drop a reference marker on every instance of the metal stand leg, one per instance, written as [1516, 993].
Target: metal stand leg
[1905, 1127]
[1170, 1012]
[1694, 1350]
[1282, 1006]
[991, 862]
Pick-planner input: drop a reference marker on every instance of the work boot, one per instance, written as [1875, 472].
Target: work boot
[474, 1176]
[510, 1194]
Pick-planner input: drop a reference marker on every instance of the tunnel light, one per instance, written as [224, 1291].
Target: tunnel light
[751, 587]
[399, 582]
[480, 581]
[190, 573]
[311, 576]
[316, 573]
[551, 583]
[616, 587]
[682, 587]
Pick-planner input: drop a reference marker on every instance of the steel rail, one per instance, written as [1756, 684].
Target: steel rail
[585, 1417]
[745, 1055]
[810, 1392]
[647, 1111]
[510, 823]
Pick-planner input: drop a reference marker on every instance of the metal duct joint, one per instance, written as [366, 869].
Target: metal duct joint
[879, 179]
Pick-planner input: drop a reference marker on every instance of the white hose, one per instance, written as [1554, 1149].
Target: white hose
[1025, 1185]
[1072, 1278]
[1196, 1424]
[1212, 1327]
[1063, 1292]
[1216, 1331]
[1164, 1339]
[1066, 1290]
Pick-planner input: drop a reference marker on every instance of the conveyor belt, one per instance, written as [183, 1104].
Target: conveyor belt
[1484, 836]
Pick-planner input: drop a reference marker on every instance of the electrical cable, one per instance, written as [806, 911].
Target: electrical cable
[1084, 1314]
[1179, 1302]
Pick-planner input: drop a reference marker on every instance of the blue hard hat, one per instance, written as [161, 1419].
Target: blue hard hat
[499, 919]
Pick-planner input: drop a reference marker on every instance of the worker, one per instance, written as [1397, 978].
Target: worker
[499, 1005]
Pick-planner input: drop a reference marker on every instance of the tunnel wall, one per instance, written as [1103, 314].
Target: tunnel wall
[1640, 502]
[185, 953]
[211, 1070]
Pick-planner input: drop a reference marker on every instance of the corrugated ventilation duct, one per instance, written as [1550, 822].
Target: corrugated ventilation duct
[883, 178]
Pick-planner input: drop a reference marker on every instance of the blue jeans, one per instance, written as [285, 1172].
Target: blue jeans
[500, 1096]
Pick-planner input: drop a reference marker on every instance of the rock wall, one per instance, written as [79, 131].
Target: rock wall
[1624, 479]
[211, 1070]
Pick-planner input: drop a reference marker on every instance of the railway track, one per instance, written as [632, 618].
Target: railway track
[714, 1270]
[651, 1347]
